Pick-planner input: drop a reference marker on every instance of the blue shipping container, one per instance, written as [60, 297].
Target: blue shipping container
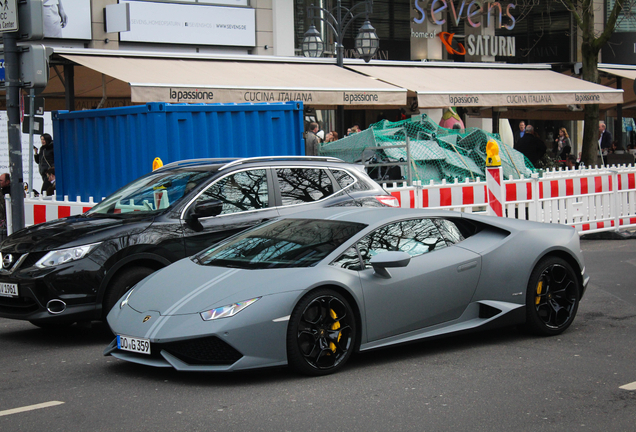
[99, 151]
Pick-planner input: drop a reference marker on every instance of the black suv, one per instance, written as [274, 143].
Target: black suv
[76, 268]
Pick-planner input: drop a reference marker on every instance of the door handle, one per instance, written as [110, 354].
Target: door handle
[467, 266]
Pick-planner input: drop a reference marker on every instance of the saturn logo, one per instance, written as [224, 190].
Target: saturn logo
[447, 40]
[146, 318]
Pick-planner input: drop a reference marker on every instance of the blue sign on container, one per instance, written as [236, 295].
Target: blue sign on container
[1, 70]
[99, 151]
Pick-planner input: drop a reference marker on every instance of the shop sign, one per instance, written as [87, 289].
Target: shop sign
[190, 24]
[439, 11]
[229, 95]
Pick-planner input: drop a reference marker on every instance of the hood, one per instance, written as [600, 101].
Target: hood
[71, 231]
[207, 287]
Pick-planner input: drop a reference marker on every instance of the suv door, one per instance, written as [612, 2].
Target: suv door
[246, 199]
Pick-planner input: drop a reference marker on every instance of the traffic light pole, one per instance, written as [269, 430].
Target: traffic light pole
[12, 82]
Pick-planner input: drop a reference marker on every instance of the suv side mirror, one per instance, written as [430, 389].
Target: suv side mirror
[385, 260]
[207, 208]
[201, 209]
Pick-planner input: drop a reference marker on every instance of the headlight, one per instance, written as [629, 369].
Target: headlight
[124, 302]
[62, 256]
[227, 311]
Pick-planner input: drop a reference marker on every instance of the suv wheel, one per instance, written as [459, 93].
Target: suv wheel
[120, 284]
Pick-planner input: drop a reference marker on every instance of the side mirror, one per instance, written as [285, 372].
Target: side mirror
[385, 260]
[201, 209]
[207, 208]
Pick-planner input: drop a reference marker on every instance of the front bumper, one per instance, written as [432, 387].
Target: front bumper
[253, 338]
[63, 293]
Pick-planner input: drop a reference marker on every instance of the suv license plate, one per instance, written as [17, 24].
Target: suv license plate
[127, 343]
[8, 290]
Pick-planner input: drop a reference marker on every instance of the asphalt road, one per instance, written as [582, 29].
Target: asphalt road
[500, 380]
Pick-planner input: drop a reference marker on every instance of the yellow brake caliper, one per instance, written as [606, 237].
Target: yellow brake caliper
[334, 326]
[539, 289]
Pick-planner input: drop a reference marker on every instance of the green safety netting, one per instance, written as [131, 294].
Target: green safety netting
[436, 153]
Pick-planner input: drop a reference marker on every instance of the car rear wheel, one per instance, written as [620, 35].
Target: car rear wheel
[321, 333]
[120, 284]
[552, 297]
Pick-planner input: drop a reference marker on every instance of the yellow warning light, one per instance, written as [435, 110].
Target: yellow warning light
[492, 154]
[157, 163]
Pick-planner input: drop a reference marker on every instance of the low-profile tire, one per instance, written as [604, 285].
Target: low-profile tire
[321, 334]
[120, 284]
[553, 297]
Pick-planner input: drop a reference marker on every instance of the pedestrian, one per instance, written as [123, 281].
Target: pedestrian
[5, 183]
[519, 133]
[562, 146]
[331, 137]
[50, 176]
[44, 158]
[321, 136]
[311, 140]
[604, 138]
[5, 189]
[531, 146]
[571, 163]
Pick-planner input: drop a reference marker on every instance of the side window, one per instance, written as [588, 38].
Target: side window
[343, 178]
[303, 185]
[349, 260]
[241, 191]
[449, 230]
[415, 237]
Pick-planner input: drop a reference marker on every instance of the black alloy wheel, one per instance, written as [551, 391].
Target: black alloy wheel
[552, 297]
[321, 333]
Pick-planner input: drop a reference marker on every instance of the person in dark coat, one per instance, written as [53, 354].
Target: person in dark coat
[531, 146]
[520, 133]
[604, 138]
[44, 158]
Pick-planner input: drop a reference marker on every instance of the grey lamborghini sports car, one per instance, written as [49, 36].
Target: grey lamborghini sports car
[310, 289]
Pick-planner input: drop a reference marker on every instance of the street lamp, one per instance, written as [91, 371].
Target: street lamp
[339, 19]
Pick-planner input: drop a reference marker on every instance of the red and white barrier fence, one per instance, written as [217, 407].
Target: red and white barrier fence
[44, 209]
[591, 200]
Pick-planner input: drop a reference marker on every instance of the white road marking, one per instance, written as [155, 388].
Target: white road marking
[30, 408]
[630, 386]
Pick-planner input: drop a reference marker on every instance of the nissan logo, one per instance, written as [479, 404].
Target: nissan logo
[7, 260]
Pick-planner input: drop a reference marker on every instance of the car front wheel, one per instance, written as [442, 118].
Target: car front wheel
[321, 333]
[552, 298]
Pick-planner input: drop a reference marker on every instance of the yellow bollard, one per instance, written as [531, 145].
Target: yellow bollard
[492, 154]
[157, 163]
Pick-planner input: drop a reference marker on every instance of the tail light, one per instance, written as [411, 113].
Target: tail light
[388, 200]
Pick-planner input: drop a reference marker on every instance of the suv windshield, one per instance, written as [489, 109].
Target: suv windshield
[281, 244]
[152, 193]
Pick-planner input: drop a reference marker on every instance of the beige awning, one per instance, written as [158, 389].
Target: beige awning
[625, 72]
[234, 81]
[442, 86]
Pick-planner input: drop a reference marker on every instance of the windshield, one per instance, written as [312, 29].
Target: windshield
[152, 193]
[281, 244]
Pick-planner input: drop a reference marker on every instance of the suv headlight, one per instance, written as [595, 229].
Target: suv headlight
[62, 256]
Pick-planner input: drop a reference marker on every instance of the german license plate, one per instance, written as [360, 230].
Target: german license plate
[8, 290]
[127, 343]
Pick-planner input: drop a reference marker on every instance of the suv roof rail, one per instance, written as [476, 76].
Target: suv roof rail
[280, 158]
[194, 161]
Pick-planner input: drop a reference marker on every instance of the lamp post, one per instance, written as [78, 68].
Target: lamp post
[339, 19]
